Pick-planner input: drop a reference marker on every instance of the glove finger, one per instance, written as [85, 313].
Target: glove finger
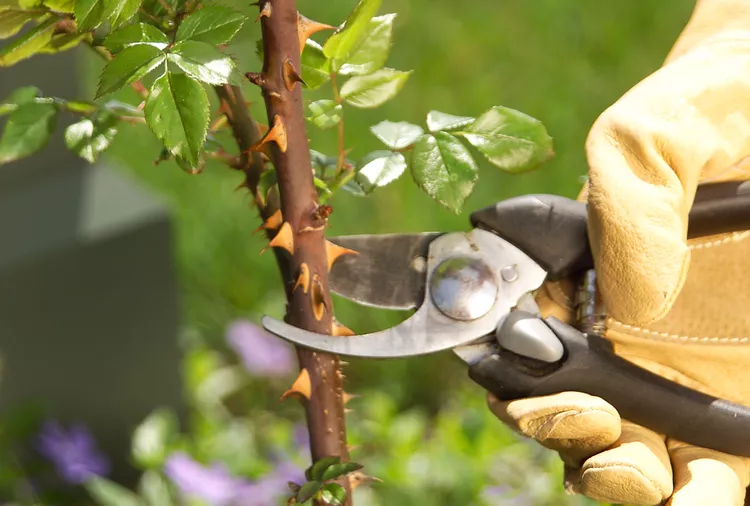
[575, 424]
[636, 470]
[704, 476]
[647, 153]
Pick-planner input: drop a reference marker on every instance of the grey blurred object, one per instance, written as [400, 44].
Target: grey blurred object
[89, 312]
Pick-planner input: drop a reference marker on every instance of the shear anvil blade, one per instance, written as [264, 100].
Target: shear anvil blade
[415, 336]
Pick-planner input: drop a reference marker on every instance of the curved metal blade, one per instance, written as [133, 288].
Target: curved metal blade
[429, 330]
[387, 272]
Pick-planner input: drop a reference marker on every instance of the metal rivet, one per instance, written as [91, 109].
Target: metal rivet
[463, 288]
[509, 273]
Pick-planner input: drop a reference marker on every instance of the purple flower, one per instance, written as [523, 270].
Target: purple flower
[74, 453]
[217, 487]
[502, 494]
[262, 354]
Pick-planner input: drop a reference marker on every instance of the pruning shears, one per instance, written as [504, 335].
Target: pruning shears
[472, 292]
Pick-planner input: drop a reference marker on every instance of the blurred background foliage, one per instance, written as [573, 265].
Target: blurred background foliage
[560, 62]
[420, 424]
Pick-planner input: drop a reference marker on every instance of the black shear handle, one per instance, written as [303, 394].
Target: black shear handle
[590, 366]
[551, 229]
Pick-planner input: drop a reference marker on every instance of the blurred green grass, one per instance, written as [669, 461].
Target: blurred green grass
[562, 62]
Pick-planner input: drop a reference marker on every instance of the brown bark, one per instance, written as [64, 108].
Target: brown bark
[299, 207]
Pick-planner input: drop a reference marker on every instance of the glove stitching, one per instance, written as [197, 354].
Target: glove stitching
[672, 337]
[731, 238]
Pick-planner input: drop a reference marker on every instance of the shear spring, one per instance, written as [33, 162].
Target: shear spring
[590, 311]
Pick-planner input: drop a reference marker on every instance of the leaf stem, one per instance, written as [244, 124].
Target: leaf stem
[341, 147]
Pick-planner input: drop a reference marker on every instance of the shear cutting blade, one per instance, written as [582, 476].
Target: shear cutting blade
[387, 273]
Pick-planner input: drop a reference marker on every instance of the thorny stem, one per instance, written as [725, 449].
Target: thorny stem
[299, 203]
[342, 153]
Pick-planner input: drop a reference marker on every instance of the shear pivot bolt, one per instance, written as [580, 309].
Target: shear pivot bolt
[509, 273]
[463, 288]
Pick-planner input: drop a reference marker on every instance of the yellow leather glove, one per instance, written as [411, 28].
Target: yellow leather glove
[678, 308]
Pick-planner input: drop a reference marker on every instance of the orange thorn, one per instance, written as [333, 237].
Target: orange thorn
[265, 12]
[275, 94]
[276, 134]
[301, 387]
[347, 397]
[306, 28]
[291, 76]
[303, 279]
[338, 329]
[334, 251]
[272, 223]
[283, 239]
[351, 448]
[317, 298]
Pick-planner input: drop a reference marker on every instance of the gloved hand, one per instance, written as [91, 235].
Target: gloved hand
[678, 308]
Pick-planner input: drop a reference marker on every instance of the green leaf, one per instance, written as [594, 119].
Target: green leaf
[89, 138]
[337, 470]
[212, 24]
[397, 135]
[19, 96]
[372, 51]
[13, 19]
[131, 64]
[67, 6]
[28, 44]
[325, 113]
[62, 42]
[509, 139]
[92, 13]
[28, 130]
[151, 438]
[379, 169]
[315, 471]
[444, 168]
[109, 493]
[89, 14]
[374, 89]
[154, 489]
[177, 112]
[308, 490]
[344, 41]
[139, 33]
[316, 67]
[333, 493]
[437, 121]
[118, 12]
[205, 63]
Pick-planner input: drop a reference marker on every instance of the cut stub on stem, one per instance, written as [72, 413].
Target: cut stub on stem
[301, 387]
[334, 251]
[306, 28]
